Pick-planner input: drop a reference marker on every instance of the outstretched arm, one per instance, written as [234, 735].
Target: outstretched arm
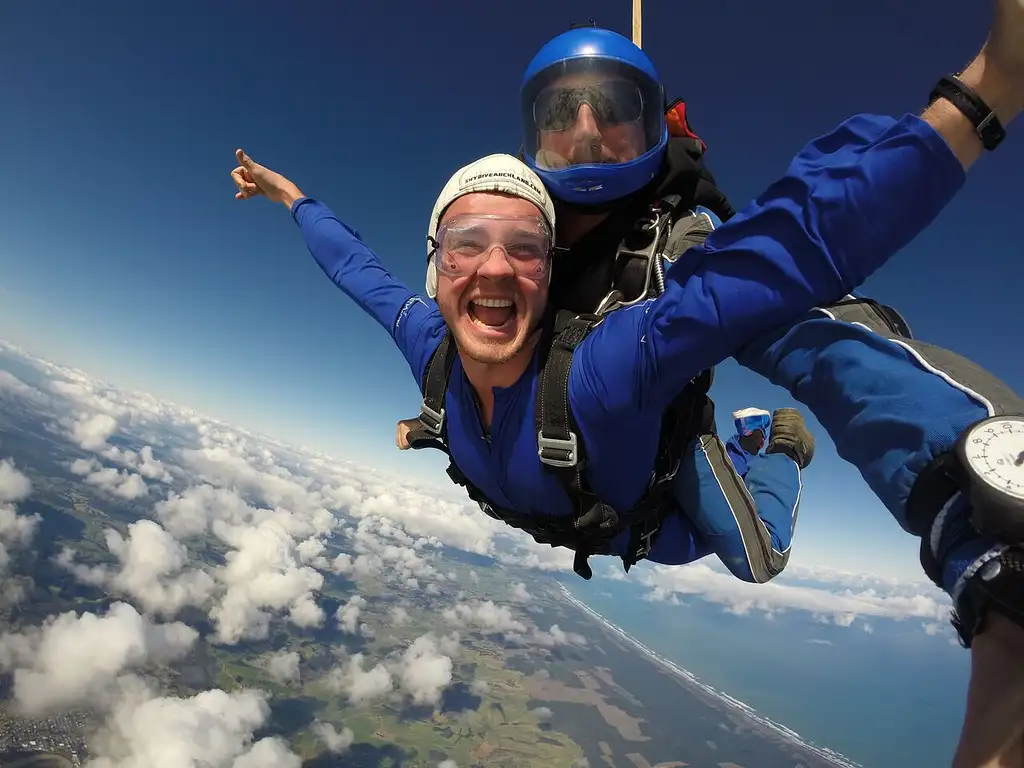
[415, 325]
[848, 202]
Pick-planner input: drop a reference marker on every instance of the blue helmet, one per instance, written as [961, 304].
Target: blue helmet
[616, 146]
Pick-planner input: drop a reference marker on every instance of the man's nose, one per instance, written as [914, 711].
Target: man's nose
[585, 124]
[495, 265]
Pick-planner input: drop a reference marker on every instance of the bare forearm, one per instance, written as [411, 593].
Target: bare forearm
[994, 88]
[993, 729]
[289, 195]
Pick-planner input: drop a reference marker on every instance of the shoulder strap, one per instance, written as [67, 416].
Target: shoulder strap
[432, 430]
[558, 443]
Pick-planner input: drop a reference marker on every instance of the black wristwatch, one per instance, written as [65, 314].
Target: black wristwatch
[986, 123]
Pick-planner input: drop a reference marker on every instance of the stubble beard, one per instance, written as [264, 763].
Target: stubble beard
[490, 353]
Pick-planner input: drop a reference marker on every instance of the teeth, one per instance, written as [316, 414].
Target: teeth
[493, 302]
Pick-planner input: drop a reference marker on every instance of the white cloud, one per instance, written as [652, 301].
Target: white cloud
[348, 614]
[14, 485]
[123, 484]
[485, 615]
[336, 742]
[74, 658]
[262, 575]
[152, 570]
[520, 593]
[836, 605]
[283, 666]
[211, 728]
[11, 386]
[92, 432]
[426, 668]
[360, 685]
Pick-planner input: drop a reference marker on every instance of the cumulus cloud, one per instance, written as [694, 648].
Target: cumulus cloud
[283, 666]
[263, 575]
[337, 742]
[92, 432]
[348, 614]
[12, 387]
[210, 728]
[520, 593]
[14, 485]
[74, 658]
[421, 671]
[152, 570]
[16, 530]
[838, 605]
[360, 685]
[426, 667]
[484, 615]
[143, 462]
[120, 483]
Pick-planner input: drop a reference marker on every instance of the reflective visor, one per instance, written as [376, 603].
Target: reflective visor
[465, 243]
[625, 120]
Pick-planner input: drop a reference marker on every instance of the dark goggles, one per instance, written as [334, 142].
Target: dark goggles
[614, 102]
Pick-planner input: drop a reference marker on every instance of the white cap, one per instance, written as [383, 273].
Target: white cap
[747, 413]
[494, 173]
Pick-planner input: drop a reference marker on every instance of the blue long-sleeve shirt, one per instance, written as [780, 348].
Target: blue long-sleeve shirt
[846, 204]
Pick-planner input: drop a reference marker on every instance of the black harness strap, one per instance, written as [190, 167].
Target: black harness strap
[558, 443]
[432, 428]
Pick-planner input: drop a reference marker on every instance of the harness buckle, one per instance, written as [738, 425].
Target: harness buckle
[655, 223]
[567, 455]
[645, 543]
[432, 421]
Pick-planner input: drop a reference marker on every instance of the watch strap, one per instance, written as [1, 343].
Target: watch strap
[985, 121]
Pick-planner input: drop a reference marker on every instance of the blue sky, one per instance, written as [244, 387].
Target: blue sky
[124, 252]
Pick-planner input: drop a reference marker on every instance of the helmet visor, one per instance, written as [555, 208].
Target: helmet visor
[591, 111]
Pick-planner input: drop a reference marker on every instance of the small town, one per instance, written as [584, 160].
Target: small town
[56, 735]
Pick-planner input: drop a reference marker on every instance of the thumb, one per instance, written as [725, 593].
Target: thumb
[243, 159]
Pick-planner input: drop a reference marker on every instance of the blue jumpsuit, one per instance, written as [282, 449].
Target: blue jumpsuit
[802, 244]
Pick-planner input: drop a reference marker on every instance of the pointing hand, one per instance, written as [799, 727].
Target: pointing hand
[253, 179]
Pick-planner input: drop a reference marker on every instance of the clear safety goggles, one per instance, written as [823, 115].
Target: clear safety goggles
[464, 244]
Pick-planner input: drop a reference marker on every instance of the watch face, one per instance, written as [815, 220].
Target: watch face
[994, 452]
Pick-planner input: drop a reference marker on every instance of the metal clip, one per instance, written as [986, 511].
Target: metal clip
[568, 447]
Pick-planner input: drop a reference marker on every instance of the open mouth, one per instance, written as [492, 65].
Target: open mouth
[492, 313]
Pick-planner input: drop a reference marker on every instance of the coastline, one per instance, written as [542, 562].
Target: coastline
[738, 707]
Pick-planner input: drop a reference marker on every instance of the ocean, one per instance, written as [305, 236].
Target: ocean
[885, 699]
